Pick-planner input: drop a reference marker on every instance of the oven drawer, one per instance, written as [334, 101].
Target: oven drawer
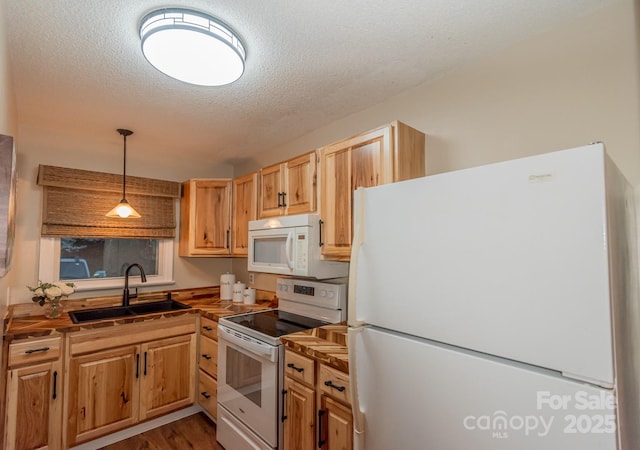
[334, 383]
[208, 328]
[208, 394]
[299, 368]
[208, 356]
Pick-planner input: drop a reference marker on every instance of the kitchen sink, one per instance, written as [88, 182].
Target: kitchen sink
[113, 312]
[154, 307]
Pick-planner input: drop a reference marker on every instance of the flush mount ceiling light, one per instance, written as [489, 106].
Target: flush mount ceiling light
[191, 46]
[123, 209]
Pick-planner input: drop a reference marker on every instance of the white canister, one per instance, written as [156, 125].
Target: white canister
[250, 296]
[226, 286]
[238, 291]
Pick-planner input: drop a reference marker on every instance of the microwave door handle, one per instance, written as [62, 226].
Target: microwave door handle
[289, 248]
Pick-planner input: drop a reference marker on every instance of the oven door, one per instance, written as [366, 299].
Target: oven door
[248, 376]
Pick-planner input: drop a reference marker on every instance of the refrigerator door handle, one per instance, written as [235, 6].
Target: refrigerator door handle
[358, 415]
[358, 238]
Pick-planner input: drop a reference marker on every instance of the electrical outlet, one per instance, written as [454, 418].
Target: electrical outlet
[252, 277]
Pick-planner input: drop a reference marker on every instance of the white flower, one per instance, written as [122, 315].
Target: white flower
[64, 287]
[53, 292]
[38, 292]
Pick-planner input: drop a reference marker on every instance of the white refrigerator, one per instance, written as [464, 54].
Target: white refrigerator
[497, 308]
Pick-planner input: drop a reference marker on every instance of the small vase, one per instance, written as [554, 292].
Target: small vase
[53, 308]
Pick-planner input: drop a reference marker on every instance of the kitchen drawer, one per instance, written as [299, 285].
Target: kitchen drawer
[208, 328]
[208, 356]
[208, 394]
[334, 383]
[34, 350]
[299, 367]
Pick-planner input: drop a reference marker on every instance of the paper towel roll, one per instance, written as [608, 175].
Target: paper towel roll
[238, 291]
[226, 286]
[250, 296]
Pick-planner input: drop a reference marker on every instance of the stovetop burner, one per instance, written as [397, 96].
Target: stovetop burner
[274, 323]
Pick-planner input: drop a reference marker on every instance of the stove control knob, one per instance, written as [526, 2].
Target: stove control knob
[323, 293]
[285, 288]
[332, 294]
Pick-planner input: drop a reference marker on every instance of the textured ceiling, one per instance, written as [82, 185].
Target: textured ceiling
[78, 68]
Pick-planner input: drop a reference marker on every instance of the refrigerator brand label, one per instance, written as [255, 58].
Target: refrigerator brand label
[541, 178]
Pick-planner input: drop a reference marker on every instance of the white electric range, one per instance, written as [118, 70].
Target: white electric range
[251, 360]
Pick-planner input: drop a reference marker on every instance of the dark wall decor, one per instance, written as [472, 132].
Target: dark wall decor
[7, 201]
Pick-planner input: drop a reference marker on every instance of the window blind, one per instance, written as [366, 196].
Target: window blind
[75, 203]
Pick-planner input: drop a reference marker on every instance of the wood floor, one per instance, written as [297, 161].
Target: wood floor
[195, 432]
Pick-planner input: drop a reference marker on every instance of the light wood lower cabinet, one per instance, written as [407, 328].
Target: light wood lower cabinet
[122, 375]
[168, 375]
[105, 393]
[300, 411]
[336, 425]
[208, 365]
[34, 395]
[318, 414]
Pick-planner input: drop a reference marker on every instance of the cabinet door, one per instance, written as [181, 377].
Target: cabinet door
[168, 372]
[103, 393]
[299, 426]
[300, 184]
[245, 197]
[271, 188]
[34, 407]
[362, 161]
[336, 421]
[205, 224]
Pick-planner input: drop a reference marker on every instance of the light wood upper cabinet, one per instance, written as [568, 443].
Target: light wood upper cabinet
[245, 208]
[391, 153]
[34, 397]
[289, 187]
[205, 217]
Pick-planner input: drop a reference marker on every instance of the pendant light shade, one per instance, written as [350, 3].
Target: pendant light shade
[192, 46]
[123, 209]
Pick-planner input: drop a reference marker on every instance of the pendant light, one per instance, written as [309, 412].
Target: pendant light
[123, 209]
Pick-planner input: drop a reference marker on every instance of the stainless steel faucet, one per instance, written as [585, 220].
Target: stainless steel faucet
[125, 295]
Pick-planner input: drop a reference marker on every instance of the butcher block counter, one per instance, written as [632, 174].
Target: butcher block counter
[327, 344]
[27, 320]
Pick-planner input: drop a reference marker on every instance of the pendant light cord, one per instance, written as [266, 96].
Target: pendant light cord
[124, 133]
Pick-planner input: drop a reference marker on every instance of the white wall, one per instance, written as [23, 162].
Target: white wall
[564, 88]
[8, 123]
[567, 87]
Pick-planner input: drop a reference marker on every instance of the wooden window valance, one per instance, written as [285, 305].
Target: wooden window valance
[75, 203]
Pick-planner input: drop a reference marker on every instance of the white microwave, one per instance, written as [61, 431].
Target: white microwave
[290, 245]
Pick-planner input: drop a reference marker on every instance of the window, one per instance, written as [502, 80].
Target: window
[99, 263]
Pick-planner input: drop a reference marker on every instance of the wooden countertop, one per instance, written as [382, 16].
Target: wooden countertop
[206, 301]
[327, 344]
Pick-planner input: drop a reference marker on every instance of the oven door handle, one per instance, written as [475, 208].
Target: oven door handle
[260, 349]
